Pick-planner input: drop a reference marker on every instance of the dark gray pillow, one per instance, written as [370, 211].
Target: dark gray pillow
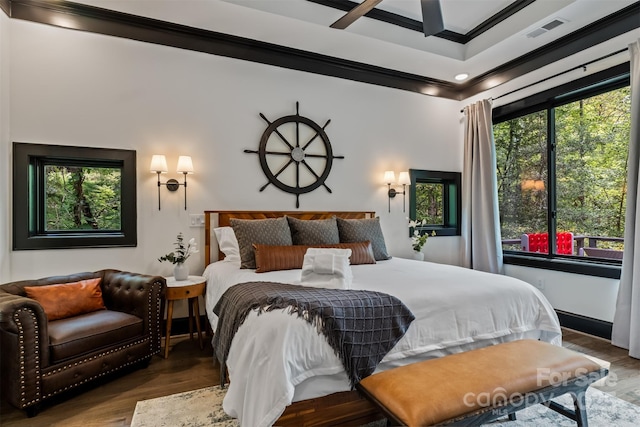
[361, 230]
[314, 231]
[260, 231]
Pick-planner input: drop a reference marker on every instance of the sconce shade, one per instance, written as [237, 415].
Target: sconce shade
[389, 177]
[185, 165]
[403, 178]
[158, 164]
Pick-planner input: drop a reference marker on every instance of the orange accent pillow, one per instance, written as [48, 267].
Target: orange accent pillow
[68, 299]
[271, 258]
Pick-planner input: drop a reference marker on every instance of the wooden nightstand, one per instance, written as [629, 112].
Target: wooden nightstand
[189, 289]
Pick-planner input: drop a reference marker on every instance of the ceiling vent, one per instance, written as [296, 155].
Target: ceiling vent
[546, 28]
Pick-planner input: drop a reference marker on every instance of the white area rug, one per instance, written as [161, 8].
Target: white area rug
[203, 407]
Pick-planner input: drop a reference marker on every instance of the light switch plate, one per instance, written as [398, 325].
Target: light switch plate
[196, 220]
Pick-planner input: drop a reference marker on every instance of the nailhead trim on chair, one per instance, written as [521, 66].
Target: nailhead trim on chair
[151, 341]
[155, 287]
[88, 360]
[16, 318]
[158, 317]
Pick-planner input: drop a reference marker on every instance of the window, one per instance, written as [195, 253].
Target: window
[562, 172]
[67, 197]
[435, 198]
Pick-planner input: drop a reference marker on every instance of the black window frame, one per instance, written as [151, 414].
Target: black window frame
[29, 161]
[452, 200]
[604, 81]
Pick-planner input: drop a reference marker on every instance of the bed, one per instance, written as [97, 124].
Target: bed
[282, 371]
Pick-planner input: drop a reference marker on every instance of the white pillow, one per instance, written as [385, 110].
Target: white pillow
[227, 243]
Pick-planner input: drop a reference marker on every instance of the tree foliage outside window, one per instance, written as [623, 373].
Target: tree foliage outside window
[435, 201]
[521, 155]
[592, 147]
[589, 147]
[73, 197]
[82, 198]
[430, 203]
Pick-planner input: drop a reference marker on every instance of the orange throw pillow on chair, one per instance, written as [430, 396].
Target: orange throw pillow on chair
[68, 299]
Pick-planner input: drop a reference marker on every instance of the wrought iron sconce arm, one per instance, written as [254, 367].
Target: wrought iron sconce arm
[404, 180]
[185, 166]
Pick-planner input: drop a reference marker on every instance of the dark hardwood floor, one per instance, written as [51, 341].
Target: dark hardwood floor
[624, 373]
[112, 403]
[188, 368]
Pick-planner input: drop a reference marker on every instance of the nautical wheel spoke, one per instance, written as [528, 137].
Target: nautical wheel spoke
[283, 168]
[316, 175]
[276, 174]
[277, 132]
[316, 135]
[277, 153]
[283, 139]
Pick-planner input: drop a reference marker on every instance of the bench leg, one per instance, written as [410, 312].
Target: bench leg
[579, 414]
[581, 408]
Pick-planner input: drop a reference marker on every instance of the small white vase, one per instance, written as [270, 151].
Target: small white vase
[418, 256]
[181, 271]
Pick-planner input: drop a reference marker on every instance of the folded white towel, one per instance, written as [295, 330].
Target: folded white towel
[327, 268]
[324, 263]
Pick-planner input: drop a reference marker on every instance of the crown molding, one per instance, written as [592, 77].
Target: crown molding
[103, 21]
[5, 5]
[621, 22]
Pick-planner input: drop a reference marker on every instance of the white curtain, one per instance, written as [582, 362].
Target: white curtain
[482, 247]
[626, 322]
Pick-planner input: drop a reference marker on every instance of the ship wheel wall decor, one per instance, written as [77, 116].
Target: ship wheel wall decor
[295, 154]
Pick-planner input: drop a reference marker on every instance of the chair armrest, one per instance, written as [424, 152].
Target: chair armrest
[138, 294]
[24, 340]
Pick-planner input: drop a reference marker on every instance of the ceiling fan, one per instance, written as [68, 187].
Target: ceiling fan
[432, 22]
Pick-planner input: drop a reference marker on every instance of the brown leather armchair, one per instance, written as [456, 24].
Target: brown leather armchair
[42, 358]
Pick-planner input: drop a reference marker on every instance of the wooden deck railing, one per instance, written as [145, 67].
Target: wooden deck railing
[591, 242]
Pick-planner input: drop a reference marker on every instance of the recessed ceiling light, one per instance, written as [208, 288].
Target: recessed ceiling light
[462, 76]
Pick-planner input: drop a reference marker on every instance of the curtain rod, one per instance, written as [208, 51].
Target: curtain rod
[583, 66]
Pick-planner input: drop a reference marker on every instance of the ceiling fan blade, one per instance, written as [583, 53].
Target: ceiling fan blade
[355, 13]
[432, 22]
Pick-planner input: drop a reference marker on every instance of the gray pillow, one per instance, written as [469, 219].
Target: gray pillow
[260, 231]
[361, 230]
[314, 231]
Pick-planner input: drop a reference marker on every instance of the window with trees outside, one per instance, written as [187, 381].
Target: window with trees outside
[67, 197]
[435, 199]
[562, 171]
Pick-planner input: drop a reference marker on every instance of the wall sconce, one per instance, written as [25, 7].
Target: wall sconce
[403, 179]
[159, 165]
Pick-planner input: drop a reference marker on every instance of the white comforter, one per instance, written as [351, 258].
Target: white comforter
[456, 309]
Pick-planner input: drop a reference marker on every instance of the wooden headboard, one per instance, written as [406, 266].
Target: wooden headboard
[224, 217]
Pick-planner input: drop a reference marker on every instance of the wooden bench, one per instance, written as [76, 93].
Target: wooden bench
[482, 385]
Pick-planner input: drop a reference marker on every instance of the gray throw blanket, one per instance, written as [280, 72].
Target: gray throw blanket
[360, 326]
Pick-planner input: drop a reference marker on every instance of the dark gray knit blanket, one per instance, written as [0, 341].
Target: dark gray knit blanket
[360, 326]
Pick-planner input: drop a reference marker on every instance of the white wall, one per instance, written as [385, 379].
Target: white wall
[574, 293]
[67, 87]
[76, 88]
[5, 168]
